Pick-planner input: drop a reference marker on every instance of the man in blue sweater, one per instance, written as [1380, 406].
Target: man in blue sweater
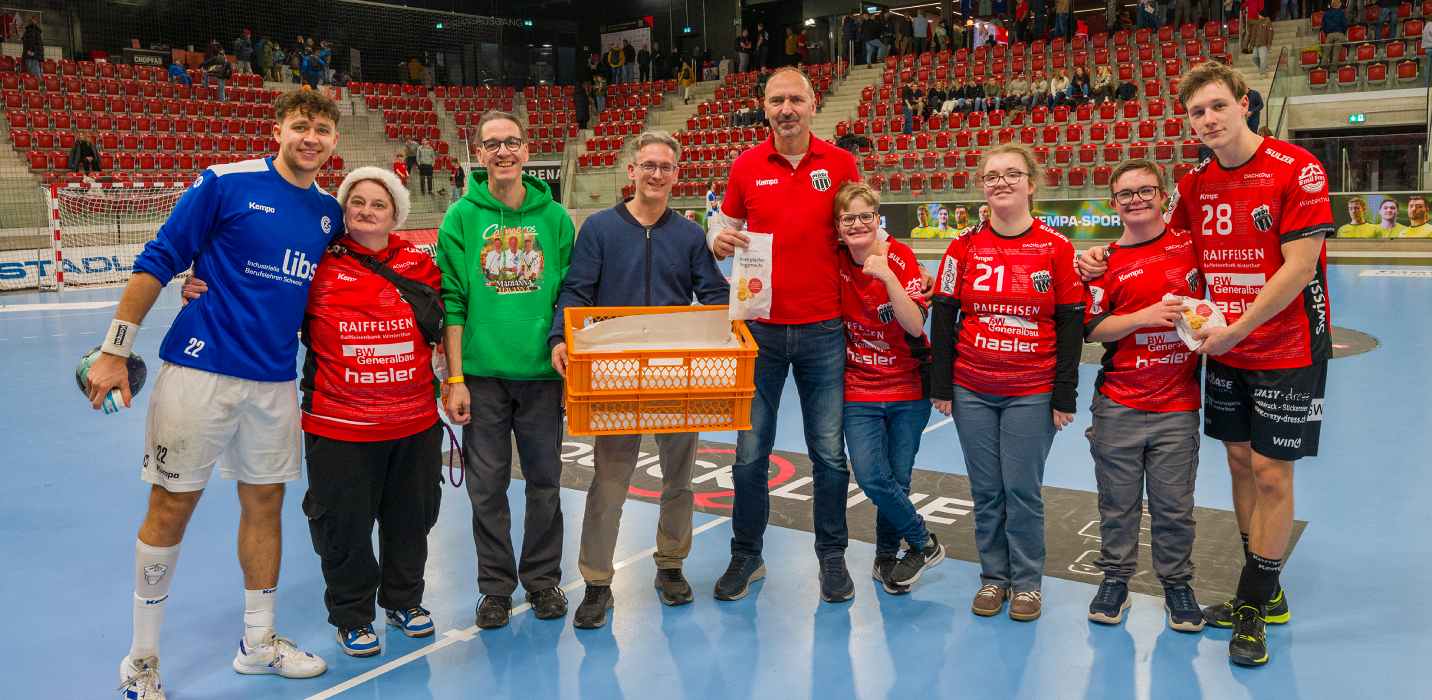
[638, 253]
[254, 230]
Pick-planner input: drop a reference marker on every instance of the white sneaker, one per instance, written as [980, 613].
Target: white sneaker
[277, 656]
[139, 680]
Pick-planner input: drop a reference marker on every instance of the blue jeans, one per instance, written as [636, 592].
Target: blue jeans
[220, 81]
[1387, 17]
[873, 49]
[815, 352]
[1005, 440]
[34, 67]
[883, 439]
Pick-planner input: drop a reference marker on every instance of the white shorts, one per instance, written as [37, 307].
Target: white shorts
[198, 418]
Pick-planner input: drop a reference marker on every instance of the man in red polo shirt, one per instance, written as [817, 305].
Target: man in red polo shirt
[786, 187]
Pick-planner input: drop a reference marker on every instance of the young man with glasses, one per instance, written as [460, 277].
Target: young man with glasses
[502, 379]
[1258, 211]
[1146, 400]
[638, 253]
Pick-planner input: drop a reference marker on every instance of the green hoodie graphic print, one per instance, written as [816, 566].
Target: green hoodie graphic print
[502, 269]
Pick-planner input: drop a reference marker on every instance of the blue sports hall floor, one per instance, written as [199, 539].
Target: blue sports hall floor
[1355, 581]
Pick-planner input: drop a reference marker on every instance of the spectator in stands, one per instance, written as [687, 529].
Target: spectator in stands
[314, 69]
[956, 97]
[743, 51]
[629, 66]
[1148, 15]
[661, 68]
[400, 167]
[921, 31]
[427, 156]
[1127, 90]
[278, 61]
[177, 74]
[84, 156]
[763, 46]
[325, 64]
[1079, 87]
[802, 47]
[410, 153]
[643, 62]
[849, 37]
[1039, 90]
[939, 35]
[1017, 93]
[870, 37]
[686, 78]
[32, 48]
[1063, 17]
[1182, 12]
[1059, 89]
[1260, 37]
[582, 103]
[791, 55]
[459, 179]
[913, 102]
[1103, 87]
[1255, 109]
[614, 62]
[263, 57]
[1387, 19]
[599, 93]
[244, 51]
[216, 68]
[594, 65]
[1020, 28]
[1334, 29]
[1039, 18]
[935, 99]
[994, 94]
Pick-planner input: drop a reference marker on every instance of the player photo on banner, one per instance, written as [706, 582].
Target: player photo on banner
[1075, 218]
[1372, 215]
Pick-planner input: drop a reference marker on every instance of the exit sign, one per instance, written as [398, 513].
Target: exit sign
[1357, 118]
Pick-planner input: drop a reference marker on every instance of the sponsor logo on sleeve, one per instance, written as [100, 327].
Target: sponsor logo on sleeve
[948, 278]
[1312, 178]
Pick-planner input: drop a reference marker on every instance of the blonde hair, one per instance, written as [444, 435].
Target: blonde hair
[1208, 72]
[1023, 152]
[851, 191]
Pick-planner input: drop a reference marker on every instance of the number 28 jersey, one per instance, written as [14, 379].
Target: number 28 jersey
[1240, 218]
[1008, 290]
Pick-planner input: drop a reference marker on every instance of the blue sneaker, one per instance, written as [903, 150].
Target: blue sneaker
[359, 641]
[414, 622]
[1110, 602]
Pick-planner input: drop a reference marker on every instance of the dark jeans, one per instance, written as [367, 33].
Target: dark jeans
[532, 411]
[425, 172]
[1134, 450]
[398, 484]
[883, 439]
[815, 353]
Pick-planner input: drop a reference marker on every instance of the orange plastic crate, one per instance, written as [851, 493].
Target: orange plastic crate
[657, 391]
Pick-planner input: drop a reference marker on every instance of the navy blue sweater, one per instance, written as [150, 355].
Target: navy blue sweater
[617, 261]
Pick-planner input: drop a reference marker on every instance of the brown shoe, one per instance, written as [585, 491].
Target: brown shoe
[989, 601]
[1026, 606]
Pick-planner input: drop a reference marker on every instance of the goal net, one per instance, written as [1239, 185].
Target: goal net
[99, 230]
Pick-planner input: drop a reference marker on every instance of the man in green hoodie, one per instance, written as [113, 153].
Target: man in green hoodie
[499, 303]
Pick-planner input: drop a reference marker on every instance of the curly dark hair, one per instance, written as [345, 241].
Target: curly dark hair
[309, 103]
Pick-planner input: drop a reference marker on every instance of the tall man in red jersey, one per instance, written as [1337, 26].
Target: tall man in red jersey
[1259, 212]
[786, 187]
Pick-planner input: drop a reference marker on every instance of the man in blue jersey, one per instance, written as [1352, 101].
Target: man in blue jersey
[254, 231]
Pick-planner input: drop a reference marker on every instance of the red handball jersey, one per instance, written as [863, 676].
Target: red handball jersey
[882, 361]
[1007, 289]
[368, 373]
[1240, 218]
[1150, 369]
[796, 205]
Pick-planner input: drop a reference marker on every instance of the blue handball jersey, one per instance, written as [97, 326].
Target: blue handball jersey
[256, 240]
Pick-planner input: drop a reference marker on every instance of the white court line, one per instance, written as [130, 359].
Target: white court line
[939, 425]
[454, 636]
[59, 306]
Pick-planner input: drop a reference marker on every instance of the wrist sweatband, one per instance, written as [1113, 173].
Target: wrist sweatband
[119, 341]
[455, 380]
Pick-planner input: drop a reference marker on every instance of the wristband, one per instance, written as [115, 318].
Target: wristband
[119, 341]
[455, 380]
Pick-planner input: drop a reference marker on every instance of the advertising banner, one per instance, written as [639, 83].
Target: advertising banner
[1075, 218]
[1393, 215]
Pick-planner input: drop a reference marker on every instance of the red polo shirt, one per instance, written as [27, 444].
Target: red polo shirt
[795, 205]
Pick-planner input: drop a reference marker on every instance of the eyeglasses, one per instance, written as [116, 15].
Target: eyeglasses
[650, 168]
[1013, 177]
[1146, 194]
[512, 143]
[865, 217]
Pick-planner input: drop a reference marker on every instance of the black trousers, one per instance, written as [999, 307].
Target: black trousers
[426, 172]
[530, 410]
[351, 485]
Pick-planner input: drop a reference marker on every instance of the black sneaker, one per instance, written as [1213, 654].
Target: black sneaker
[1221, 615]
[740, 574]
[881, 572]
[908, 570]
[835, 583]
[1249, 646]
[548, 603]
[492, 612]
[673, 588]
[592, 613]
[1110, 602]
[1182, 608]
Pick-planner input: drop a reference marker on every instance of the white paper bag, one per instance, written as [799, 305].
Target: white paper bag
[751, 278]
[1197, 313]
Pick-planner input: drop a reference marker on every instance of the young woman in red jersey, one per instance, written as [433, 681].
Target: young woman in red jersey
[1005, 337]
[886, 382]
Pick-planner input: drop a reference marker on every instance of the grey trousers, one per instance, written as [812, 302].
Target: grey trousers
[532, 410]
[1134, 449]
[614, 459]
